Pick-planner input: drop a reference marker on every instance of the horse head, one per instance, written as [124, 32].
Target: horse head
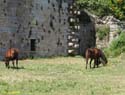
[103, 58]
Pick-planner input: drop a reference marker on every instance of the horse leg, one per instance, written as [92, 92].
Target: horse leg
[86, 62]
[90, 63]
[17, 63]
[97, 62]
[94, 63]
[6, 63]
[13, 63]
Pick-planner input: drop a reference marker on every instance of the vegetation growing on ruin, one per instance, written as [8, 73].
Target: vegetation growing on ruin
[117, 46]
[104, 7]
[102, 32]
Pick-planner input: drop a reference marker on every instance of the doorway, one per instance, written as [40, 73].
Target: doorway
[33, 44]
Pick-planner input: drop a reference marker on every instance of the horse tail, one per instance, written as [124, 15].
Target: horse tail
[87, 55]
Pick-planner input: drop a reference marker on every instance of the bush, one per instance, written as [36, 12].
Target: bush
[119, 42]
[117, 46]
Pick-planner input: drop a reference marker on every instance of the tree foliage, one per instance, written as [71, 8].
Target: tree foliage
[98, 7]
[118, 8]
[104, 7]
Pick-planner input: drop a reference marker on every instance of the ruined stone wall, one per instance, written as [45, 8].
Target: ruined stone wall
[45, 21]
[115, 28]
[41, 28]
[82, 32]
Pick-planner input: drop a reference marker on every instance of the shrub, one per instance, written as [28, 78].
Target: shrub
[117, 46]
[119, 42]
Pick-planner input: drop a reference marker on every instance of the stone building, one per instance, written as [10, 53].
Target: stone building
[38, 27]
[115, 27]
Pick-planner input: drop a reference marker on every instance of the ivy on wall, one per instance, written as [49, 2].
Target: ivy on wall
[102, 32]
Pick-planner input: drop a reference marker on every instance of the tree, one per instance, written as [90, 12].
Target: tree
[97, 7]
[118, 8]
[104, 7]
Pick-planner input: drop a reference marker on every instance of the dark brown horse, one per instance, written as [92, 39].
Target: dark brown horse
[97, 55]
[11, 55]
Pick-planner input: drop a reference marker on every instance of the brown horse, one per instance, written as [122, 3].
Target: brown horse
[97, 55]
[11, 55]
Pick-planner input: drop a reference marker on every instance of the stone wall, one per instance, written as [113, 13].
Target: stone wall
[45, 21]
[82, 33]
[37, 27]
[116, 26]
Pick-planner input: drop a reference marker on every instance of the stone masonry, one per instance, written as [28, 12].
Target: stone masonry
[37, 27]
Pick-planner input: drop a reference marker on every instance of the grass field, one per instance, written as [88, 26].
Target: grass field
[63, 76]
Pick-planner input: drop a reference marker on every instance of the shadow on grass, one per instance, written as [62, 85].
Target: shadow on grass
[18, 68]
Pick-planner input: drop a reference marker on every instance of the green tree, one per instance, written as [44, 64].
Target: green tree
[104, 7]
[97, 7]
[118, 8]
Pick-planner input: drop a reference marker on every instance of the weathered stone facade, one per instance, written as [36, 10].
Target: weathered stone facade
[115, 27]
[36, 27]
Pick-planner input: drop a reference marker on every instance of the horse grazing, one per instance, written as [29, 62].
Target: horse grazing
[97, 55]
[11, 55]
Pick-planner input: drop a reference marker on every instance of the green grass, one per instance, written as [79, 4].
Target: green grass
[63, 76]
